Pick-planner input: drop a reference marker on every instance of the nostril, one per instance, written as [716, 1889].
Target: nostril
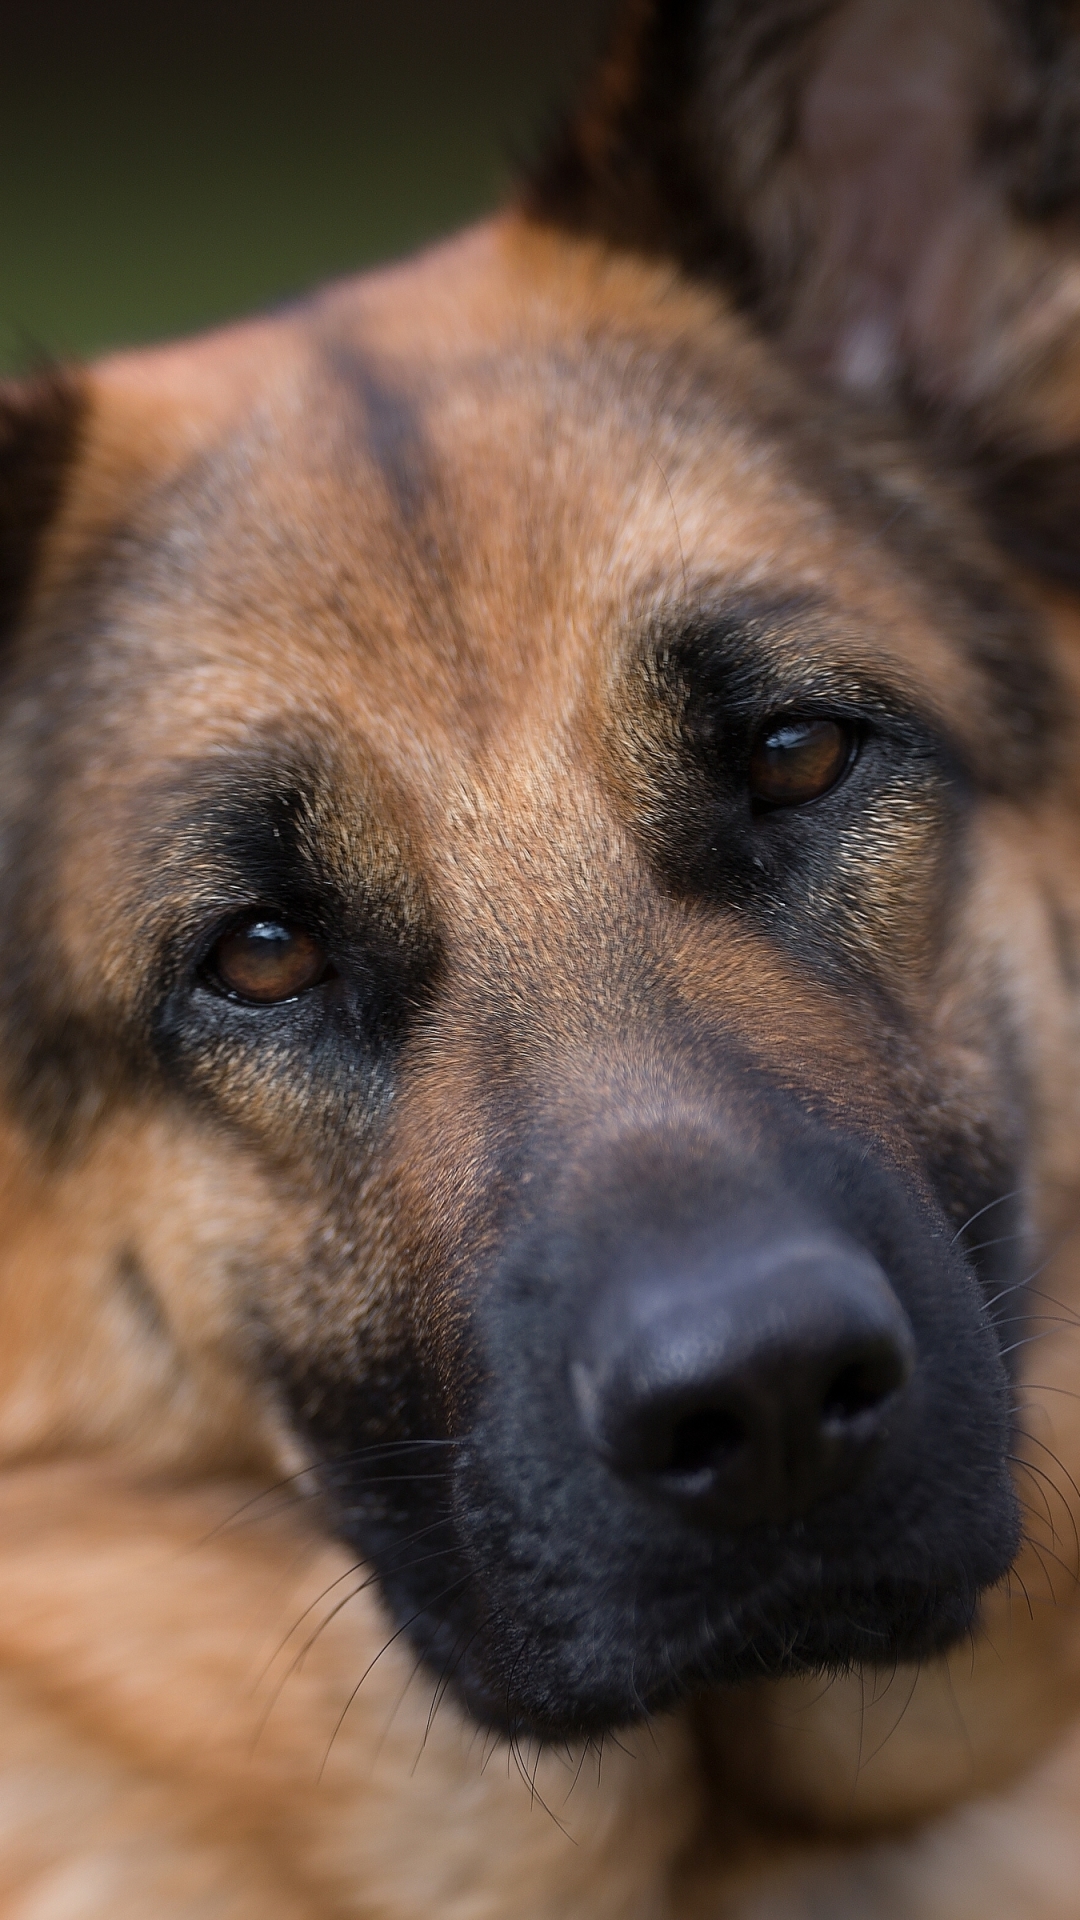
[861, 1386]
[704, 1441]
[748, 1390]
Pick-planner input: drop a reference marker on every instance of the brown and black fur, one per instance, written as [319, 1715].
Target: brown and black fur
[438, 614]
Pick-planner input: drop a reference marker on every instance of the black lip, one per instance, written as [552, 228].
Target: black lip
[781, 1631]
[506, 1641]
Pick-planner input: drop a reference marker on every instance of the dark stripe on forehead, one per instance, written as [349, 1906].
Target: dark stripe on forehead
[907, 509]
[379, 411]
[389, 424]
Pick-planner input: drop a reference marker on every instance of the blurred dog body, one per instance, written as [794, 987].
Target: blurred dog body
[563, 747]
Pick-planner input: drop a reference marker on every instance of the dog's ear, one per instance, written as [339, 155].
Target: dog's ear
[892, 187]
[40, 419]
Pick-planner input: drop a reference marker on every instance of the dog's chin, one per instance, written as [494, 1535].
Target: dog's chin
[526, 1685]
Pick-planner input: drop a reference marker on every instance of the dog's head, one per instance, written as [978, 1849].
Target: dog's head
[528, 814]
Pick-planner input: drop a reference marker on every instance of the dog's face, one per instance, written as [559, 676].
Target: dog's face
[498, 760]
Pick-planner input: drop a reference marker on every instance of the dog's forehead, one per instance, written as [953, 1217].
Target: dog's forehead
[460, 487]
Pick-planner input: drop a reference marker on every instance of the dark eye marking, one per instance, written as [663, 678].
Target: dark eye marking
[265, 960]
[796, 759]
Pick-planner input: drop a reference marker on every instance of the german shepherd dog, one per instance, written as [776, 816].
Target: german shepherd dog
[540, 995]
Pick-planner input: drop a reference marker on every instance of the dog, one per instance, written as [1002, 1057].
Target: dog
[541, 1032]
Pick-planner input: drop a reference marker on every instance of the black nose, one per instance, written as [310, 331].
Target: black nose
[749, 1387]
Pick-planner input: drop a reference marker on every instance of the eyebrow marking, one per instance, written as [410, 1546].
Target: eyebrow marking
[784, 648]
[287, 823]
[802, 645]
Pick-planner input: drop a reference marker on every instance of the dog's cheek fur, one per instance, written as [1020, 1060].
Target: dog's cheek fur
[133, 1282]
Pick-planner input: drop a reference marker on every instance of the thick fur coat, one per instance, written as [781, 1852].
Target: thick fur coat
[424, 922]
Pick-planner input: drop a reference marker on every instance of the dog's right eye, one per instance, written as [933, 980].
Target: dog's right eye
[265, 961]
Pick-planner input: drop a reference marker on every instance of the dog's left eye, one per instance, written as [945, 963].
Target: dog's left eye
[795, 760]
[265, 960]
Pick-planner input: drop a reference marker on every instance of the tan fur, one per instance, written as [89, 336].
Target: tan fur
[206, 1711]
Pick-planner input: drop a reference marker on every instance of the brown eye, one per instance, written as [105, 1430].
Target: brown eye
[267, 960]
[797, 760]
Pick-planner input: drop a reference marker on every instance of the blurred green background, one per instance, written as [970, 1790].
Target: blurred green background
[165, 166]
